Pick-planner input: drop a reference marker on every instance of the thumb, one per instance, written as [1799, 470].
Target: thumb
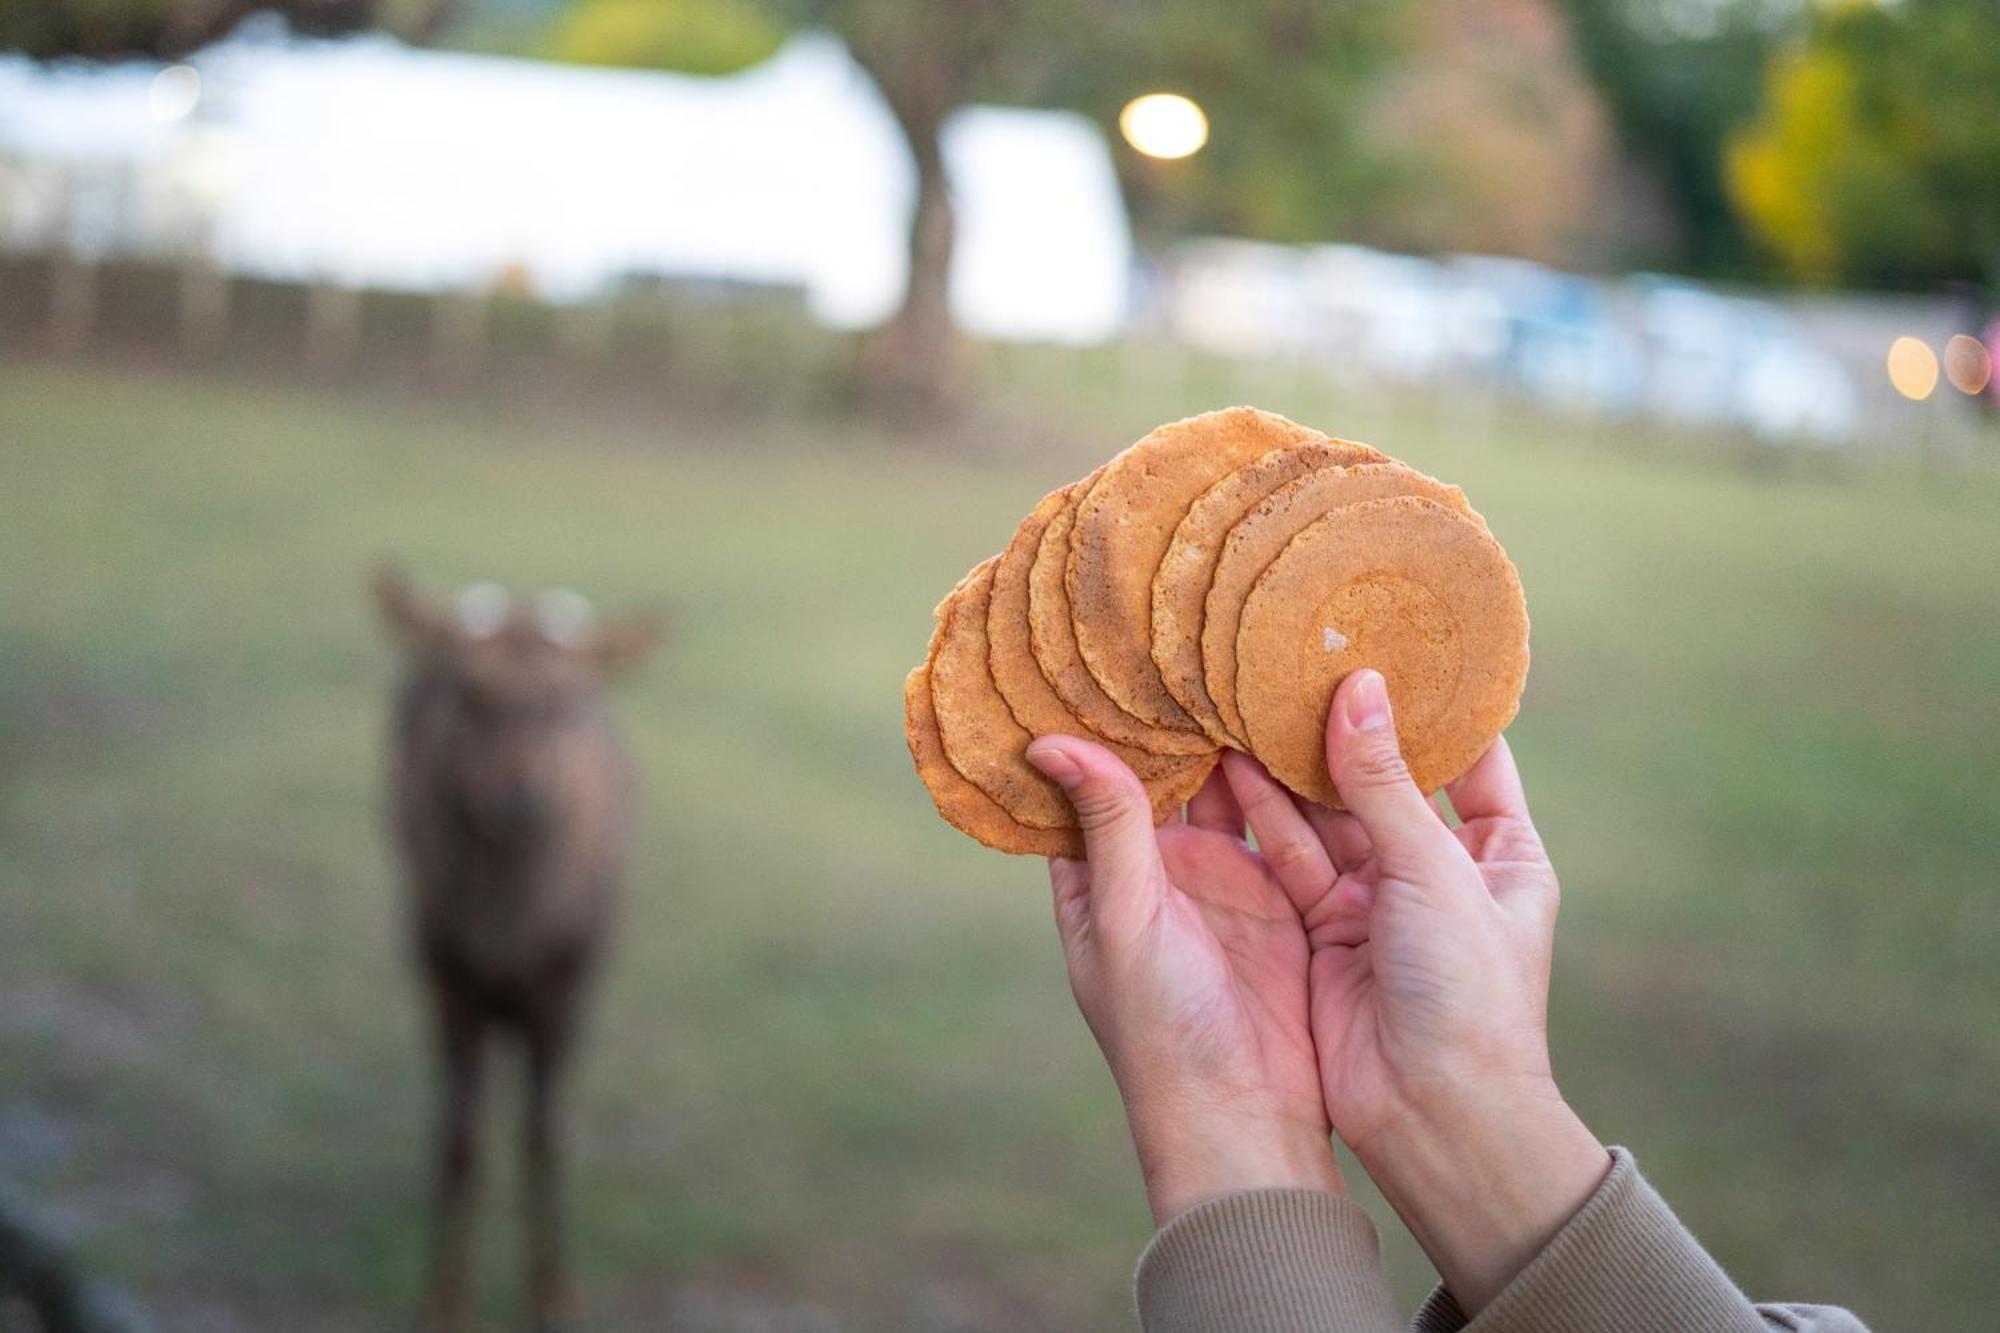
[1114, 810]
[1366, 763]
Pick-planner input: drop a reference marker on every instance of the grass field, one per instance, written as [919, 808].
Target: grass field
[836, 1079]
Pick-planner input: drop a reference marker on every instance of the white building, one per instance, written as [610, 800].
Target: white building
[370, 163]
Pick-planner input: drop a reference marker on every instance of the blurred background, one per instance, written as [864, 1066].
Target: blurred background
[778, 314]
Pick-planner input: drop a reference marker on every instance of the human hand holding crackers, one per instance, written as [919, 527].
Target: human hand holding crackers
[1409, 958]
[1297, 639]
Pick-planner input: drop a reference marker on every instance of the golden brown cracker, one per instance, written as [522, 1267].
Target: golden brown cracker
[1419, 591]
[1010, 657]
[987, 746]
[981, 737]
[1052, 639]
[963, 805]
[1124, 524]
[1180, 585]
[1265, 531]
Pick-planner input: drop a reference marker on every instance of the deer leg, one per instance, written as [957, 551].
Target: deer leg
[548, 1051]
[461, 1049]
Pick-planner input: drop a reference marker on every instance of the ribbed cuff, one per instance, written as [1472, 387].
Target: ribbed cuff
[1623, 1262]
[1277, 1261]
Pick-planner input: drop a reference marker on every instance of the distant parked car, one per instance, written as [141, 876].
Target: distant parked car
[1721, 360]
[1388, 317]
[1237, 298]
[1558, 341]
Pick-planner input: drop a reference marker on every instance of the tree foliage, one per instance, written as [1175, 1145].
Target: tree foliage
[166, 29]
[1679, 78]
[1875, 156]
[692, 36]
[1492, 139]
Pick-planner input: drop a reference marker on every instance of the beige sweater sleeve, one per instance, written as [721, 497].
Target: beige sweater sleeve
[1273, 1261]
[1287, 1260]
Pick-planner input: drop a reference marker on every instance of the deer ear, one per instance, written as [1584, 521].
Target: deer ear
[626, 641]
[413, 623]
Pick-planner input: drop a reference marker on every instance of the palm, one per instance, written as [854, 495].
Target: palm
[1229, 944]
[1390, 962]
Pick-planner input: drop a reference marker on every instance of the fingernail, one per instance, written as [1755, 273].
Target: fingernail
[1367, 701]
[1056, 766]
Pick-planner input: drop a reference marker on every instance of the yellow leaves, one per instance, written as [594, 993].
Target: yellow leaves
[1779, 171]
[688, 36]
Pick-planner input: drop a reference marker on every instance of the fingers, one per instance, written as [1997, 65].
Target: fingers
[1374, 783]
[1117, 819]
[1214, 806]
[1287, 842]
[1071, 882]
[1491, 788]
[1341, 834]
[1343, 917]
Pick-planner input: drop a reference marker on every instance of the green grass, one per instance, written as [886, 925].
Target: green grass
[835, 1073]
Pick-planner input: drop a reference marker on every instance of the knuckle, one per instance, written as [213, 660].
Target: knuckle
[1105, 805]
[1290, 854]
[1378, 764]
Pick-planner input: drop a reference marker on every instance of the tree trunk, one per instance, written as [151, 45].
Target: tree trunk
[912, 364]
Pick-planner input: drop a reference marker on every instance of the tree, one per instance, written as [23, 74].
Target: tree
[1280, 77]
[926, 65]
[1875, 156]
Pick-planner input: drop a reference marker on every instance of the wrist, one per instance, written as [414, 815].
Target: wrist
[1187, 1160]
[1484, 1180]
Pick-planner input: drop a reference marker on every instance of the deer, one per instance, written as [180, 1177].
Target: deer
[511, 799]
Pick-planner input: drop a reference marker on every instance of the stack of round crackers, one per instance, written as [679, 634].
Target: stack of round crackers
[1209, 587]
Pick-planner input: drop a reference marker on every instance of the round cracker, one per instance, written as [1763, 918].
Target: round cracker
[1052, 639]
[965, 807]
[1009, 656]
[1419, 591]
[1265, 531]
[986, 745]
[1180, 585]
[1124, 524]
[981, 737]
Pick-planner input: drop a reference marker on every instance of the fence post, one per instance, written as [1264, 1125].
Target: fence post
[333, 326]
[583, 330]
[204, 304]
[458, 331]
[73, 301]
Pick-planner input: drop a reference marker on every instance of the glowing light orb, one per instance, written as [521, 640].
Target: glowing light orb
[1967, 364]
[1913, 368]
[176, 90]
[1164, 125]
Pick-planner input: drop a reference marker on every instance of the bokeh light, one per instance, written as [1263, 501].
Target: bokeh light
[1164, 125]
[1913, 367]
[176, 90]
[1967, 364]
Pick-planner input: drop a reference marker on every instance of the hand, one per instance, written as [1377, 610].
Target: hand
[1429, 973]
[1189, 964]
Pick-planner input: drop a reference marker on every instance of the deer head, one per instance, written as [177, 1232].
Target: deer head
[509, 682]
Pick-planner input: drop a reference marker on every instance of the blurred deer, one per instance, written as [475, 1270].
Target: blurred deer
[512, 808]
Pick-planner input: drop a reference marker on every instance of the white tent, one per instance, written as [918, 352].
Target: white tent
[368, 162]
